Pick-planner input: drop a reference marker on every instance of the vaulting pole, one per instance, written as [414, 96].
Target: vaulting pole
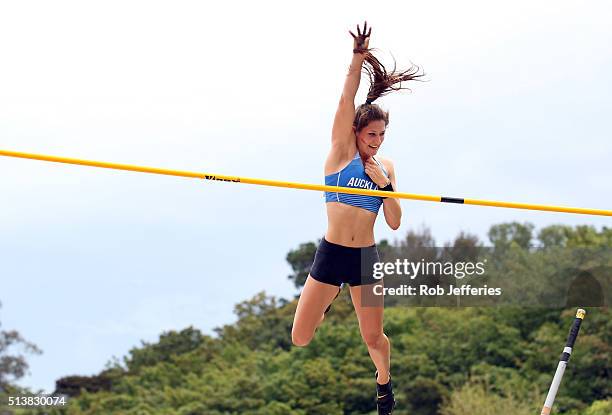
[565, 356]
[305, 186]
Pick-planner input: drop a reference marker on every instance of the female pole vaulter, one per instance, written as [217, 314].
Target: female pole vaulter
[348, 247]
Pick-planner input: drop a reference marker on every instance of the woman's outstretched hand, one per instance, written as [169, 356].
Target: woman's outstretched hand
[361, 41]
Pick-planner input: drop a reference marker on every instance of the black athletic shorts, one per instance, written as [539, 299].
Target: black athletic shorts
[337, 264]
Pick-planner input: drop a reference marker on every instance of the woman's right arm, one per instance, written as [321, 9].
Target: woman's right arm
[342, 134]
[345, 114]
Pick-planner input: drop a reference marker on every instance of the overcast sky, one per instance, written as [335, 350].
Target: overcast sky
[517, 108]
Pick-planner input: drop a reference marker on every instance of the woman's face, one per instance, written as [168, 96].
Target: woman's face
[370, 138]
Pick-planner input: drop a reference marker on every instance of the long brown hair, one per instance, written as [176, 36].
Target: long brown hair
[381, 83]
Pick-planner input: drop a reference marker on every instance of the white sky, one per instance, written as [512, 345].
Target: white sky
[517, 108]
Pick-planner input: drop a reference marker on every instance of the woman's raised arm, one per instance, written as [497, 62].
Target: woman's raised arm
[345, 114]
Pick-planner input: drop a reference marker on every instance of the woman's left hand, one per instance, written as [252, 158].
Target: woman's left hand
[373, 170]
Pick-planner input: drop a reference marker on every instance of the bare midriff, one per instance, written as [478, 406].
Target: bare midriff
[349, 225]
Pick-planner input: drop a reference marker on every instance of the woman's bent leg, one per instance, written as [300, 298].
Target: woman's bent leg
[314, 299]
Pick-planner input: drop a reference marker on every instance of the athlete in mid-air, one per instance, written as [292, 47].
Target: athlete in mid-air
[348, 247]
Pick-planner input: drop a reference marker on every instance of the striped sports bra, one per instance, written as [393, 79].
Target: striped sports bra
[354, 175]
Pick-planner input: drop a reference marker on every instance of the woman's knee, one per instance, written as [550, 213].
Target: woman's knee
[374, 339]
[300, 339]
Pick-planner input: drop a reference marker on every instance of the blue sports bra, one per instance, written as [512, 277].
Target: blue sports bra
[354, 175]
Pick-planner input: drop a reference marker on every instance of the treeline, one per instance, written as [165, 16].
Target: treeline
[445, 360]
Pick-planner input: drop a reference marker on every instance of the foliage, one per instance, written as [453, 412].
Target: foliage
[445, 361]
[13, 367]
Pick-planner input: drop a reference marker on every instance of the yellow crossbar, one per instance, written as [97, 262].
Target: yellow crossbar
[305, 186]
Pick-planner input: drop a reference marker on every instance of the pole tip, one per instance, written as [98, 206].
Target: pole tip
[580, 313]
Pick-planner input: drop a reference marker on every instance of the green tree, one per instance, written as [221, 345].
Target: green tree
[450, 361]
[13, 366]
[505, 235]
[301, 260]
[262, 322]
[170, 343]
[600, 408]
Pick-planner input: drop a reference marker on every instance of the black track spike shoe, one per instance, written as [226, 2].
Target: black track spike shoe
[385, 400]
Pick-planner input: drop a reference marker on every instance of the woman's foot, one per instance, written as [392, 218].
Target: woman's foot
[385, 400]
